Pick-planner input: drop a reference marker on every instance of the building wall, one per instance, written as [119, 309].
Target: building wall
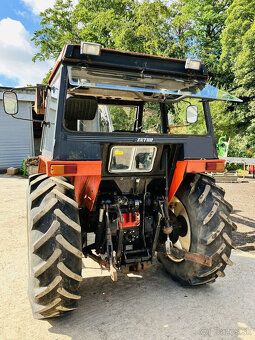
[16, 136]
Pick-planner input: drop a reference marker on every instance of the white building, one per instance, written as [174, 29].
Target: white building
[16, 136]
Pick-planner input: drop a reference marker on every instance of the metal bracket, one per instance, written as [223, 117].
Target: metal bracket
[155, 241]
[193, 257]
[109, 246]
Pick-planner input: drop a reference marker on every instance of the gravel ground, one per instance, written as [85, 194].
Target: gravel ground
[149, 306]
[242, 196]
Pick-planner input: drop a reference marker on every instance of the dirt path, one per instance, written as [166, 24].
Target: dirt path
[149, 306]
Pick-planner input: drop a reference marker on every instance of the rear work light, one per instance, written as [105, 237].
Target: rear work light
[215, 166]
[192, 64]
[61, 169]
[90, 48]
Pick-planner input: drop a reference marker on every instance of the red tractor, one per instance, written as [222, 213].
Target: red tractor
[111, 169]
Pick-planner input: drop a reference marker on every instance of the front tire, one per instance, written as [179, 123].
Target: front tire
[54, 246]
[210, 228]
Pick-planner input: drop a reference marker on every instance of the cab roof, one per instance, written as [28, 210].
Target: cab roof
[117, 60]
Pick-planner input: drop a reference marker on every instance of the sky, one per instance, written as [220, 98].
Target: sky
[18, 20]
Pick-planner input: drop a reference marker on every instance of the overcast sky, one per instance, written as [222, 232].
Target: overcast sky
[18, 20]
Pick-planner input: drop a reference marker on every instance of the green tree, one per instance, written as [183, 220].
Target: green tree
[119, 24]
[220, 32]
[58, 28]
[238, 45]
[178, 28]
[123, 118]
[206, 20]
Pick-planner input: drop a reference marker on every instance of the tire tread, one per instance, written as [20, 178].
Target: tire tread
[55, 244]
[212, 234]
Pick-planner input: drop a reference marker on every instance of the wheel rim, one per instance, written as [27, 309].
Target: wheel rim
[184, 242]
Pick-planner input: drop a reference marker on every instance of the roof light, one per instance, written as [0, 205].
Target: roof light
[90, 48]
[192, 64]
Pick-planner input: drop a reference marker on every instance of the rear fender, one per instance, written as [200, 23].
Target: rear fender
[86, 177]
[192, 166]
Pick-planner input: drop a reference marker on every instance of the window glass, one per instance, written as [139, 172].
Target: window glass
[177, 120]
[132, 158]
[83, 117]
[123, 117]
[121, 158]
[151, 118]
[143, 158]
[48, 135]
[84, 114]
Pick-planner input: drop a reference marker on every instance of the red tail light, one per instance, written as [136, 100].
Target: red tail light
[215, 166]
[70, 169]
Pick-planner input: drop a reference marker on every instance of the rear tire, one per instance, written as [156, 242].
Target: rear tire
[211, 231]
[54, 246]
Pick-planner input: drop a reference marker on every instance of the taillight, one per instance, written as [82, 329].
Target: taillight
[61, 169]
[215, 166]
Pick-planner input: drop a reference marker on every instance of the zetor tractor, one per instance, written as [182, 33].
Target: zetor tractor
[127, 142]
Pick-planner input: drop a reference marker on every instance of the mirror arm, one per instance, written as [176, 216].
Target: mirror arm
[32, 120]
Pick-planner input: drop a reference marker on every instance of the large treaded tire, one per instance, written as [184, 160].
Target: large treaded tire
[54, 246]
[211, 231]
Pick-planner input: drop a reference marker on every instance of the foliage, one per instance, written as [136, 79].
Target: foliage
[206, 21]
[122, 118]
[238, 45]
[151, 118]
[58, 28]
[178, 122]
[219, 32]
[120, 24]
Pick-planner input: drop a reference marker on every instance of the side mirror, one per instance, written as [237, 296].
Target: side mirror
[191, 114]
[10, 102]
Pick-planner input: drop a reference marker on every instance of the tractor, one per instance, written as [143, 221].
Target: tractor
[126, 149]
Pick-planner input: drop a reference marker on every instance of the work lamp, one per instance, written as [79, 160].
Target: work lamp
[192, 64]
[90, 48]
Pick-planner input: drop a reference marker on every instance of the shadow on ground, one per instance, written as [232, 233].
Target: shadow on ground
[244, 240]
[237, 218]
[154, 307]
[131, 308]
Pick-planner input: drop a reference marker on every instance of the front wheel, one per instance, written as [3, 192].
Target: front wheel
[207, 229]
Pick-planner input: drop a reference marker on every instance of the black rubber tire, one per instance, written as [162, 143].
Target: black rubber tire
[211, 231]
[54, 246]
